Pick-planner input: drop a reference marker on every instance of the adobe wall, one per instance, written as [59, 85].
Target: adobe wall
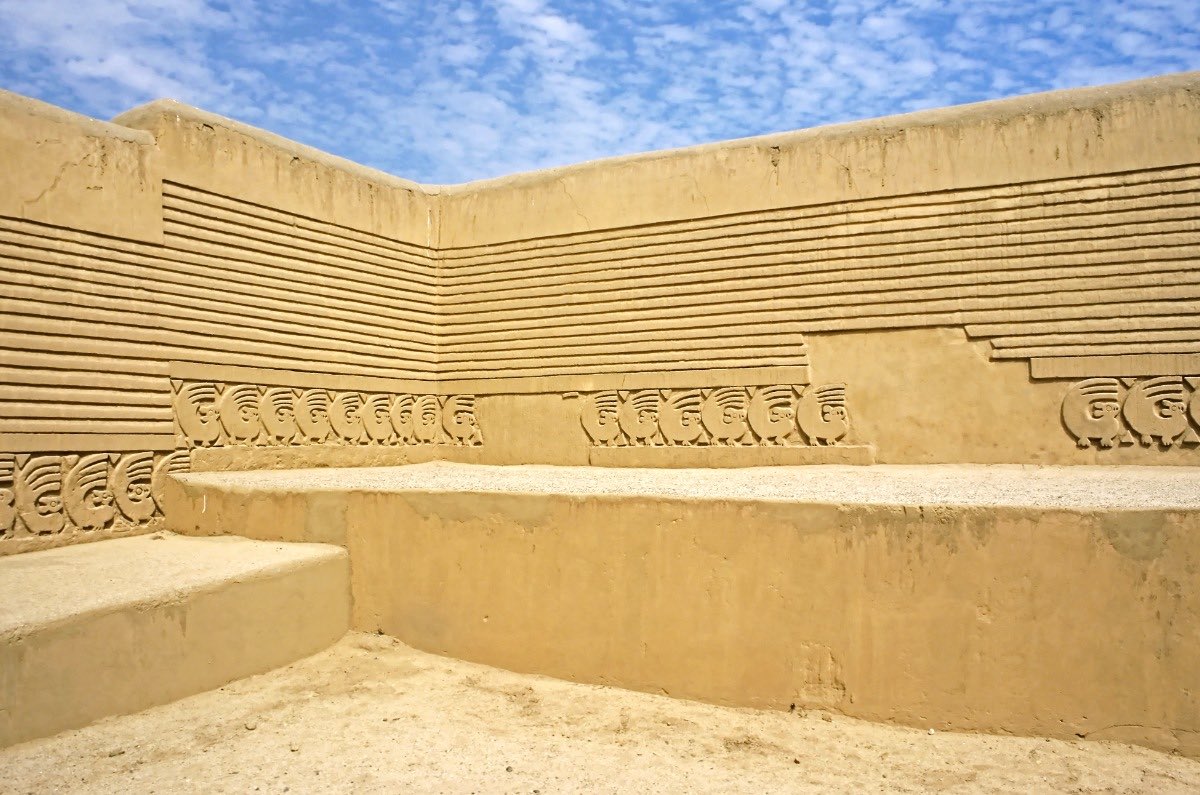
[990, 283]
[1023, 621]
[171, 280]
[1057, 601]
[1013, 282]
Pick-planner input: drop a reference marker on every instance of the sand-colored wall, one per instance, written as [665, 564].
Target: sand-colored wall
[1012, 281]
[171, 278]
[994, 619]
[1058, 231]
[956, 612]
[62, 170]
[1021, 622]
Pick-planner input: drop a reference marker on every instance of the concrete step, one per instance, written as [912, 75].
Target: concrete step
[1056, 601]
[114, 627]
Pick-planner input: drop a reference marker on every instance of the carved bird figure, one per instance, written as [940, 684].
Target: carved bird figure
[822, 414]
[724, 414]
[1091, 412]
[679, 417]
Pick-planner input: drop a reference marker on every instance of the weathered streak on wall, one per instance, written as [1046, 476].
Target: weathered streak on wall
[64, 170]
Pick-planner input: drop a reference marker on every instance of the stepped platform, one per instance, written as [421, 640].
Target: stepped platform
[1055, 601]
[116, 626]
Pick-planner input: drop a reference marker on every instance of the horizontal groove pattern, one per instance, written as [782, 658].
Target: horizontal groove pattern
[1013, 262]
[1097, 266]
[88, 324]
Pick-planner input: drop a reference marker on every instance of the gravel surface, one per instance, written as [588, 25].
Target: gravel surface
[1081, 487]
[372, 715]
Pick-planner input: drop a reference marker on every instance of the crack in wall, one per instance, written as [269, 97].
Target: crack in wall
[62, 172]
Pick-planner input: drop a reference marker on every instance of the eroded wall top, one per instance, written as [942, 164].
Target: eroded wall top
[207, 151]
[1039, 137]
[66, 170]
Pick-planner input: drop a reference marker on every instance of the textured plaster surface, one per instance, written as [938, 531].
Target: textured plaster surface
[1047, 601]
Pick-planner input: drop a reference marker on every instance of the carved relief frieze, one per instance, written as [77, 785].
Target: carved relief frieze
[212, 414]
[768, 416]
[46, 494]
[1162, 412]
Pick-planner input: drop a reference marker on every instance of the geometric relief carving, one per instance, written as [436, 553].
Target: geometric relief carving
[599, 417]
[238, 409]
[401, 415]
[52, 493]
[376, 415]
[344, 417]
[679, 418]
[132, 479]
[277, 414]
[724, 413]
[211, 414]
[173, 463]
[1156, 410]
[638, 414]
[772, 413]
[312, 415]
[1091, 411]
[1107, 412]
[822, 414]
[770, 416]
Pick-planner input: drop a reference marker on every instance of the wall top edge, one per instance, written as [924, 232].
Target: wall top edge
[147, 116]
[1042, 103]
[18, 103]
[134, 125]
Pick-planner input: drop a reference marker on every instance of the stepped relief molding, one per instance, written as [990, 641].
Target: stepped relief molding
[89, 323]
[215, 414]
[55, 495]
[1160, 412]
[766, 416]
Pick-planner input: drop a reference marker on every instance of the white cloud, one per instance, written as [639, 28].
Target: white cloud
[464, 89]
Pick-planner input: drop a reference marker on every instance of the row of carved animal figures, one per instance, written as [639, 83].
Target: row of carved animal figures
[209, 414]
[42, 494]
[1108, 412]
[769, 415]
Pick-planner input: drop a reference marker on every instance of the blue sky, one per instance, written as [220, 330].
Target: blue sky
[466, 89]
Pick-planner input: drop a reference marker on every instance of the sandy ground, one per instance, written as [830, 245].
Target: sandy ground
[372, 715]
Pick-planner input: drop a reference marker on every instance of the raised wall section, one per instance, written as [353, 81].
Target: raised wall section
[980, 279]
[170, 282]
[1009, 282]
[1058, 601]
